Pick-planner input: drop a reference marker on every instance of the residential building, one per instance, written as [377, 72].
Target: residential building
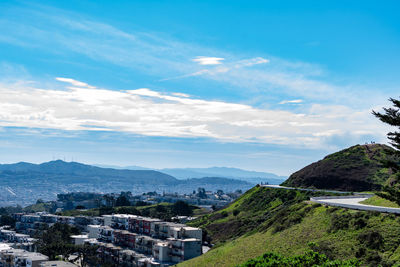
[20, 258]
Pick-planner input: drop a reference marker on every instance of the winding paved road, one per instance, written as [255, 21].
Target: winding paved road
[350, 202]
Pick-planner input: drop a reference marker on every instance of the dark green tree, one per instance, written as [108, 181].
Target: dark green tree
[57, 240]
[7, 220]
[182, 208]
[122, 201]
[87, 254]
[391, 116]
[201, 192]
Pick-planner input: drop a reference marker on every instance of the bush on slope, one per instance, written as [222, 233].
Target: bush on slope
[308, 259]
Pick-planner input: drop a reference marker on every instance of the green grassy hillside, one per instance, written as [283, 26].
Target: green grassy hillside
[358, 168]
[283, 221]
[379, 201]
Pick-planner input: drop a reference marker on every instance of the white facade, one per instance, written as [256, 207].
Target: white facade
[94, 231]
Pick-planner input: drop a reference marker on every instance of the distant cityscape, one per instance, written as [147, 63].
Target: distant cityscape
[118, 239]
[23, 183]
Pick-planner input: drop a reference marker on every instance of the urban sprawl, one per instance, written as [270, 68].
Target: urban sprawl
[121, 239]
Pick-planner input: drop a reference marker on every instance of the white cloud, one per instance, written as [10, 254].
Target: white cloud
[208, 60]
[222, 69]
[251, 62]
[148, 112]
[295, 101]
[181, 94]
[74, 82]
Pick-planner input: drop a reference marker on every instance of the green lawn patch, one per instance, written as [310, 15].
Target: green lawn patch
[379, 201]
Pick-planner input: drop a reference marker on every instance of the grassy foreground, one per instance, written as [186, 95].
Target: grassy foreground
[292, 229]
[379, 201]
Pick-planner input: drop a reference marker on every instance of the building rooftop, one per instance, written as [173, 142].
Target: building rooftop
[57, 264]
[79, 236]
[34, 256]
[94, 225]
[4, 246]
[189, 228]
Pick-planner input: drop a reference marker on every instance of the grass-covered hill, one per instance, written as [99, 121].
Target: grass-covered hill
[358, 168]
[285, 222]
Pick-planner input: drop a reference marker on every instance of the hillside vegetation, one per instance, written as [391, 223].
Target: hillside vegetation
[283, 221]
[308, 259]
[379, 201]
[162, 210]
[358, 168]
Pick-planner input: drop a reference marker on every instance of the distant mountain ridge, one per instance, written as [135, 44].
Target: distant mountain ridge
[357, 168]
[74, 171]
[23, 183]
[182, 173]
[253, 177]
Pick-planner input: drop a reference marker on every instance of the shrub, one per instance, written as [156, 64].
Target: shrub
[372, 239]
[307, 259]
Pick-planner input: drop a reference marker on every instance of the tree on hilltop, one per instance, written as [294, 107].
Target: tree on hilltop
[391, 116]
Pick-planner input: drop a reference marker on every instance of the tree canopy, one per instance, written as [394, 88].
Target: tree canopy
[391, 116]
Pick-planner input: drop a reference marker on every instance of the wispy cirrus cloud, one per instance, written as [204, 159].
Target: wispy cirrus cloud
[294, 101]
[226, 67]
[74, 82]
[165, 58]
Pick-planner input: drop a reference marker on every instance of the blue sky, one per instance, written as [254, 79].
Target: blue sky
[261, 85]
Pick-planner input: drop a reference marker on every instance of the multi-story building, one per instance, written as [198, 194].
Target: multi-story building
[107, 220]
[147, 241]
[142, 225]
[20, 258]
[93, 230]
[121, 221]
[144, 244]
[124, 238]
[17, 240]
[66, 220]
[106, 234]
[177, 250]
